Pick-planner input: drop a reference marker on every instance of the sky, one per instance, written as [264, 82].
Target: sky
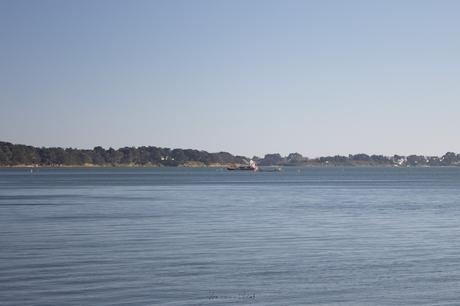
[247, 77]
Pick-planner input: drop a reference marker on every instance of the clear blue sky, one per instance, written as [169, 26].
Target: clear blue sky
[248, 77]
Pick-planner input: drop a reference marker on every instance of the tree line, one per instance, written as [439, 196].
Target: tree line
[448, 159]
[17, 154]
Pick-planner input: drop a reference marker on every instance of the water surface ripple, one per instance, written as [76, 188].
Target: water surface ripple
[311, 236]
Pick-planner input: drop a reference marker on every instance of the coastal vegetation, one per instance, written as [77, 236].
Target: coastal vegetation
[448, 159]
[16, 155]
[23, 155]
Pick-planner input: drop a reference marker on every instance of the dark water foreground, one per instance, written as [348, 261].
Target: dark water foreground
[353, 236]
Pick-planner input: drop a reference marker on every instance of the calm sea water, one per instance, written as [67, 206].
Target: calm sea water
[315, 236]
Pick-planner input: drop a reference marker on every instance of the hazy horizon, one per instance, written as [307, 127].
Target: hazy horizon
[247, 77]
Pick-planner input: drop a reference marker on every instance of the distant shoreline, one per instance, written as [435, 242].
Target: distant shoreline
[207, 166]
[18, 155]
[110, 166]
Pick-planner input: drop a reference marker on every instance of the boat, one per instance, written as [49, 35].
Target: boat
[251, 167]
